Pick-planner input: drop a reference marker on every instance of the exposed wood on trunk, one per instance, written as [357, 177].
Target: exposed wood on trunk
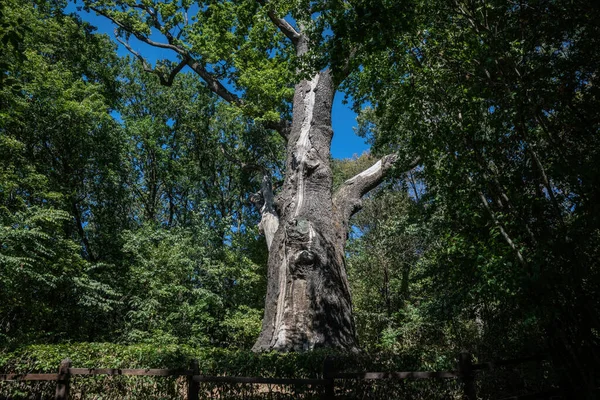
[308, 302]
[269, 219]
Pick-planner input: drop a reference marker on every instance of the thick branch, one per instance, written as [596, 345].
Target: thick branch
[347, 199]
[283, 127]
[284, 26]
[212, 82]
[269, 222]
[140, 36]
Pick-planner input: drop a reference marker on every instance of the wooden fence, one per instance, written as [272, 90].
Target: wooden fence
[466, 372]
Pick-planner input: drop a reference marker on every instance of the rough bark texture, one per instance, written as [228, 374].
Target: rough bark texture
[308, 301]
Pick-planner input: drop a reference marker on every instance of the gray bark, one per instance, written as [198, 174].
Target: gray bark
[308, 301]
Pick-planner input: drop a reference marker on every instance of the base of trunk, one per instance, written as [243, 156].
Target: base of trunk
[308, 303]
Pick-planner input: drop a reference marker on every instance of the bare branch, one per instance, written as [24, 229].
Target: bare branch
[145, 63]
[156, 22]
[212, 82]
[140, 36]
[347, 199]
[284, 26]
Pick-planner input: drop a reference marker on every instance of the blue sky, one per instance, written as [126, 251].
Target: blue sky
[345, 143]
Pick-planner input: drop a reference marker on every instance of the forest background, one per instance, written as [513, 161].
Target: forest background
[125, 204]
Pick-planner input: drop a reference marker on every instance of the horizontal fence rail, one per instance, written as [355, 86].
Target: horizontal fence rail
[505, 363]
[129, 372]
[397, 375]
[28, 377]
[246, 379]
[466, 373]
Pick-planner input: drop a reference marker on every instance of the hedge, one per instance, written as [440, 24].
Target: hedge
[212, 361]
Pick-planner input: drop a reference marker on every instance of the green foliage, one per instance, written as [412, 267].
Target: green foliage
[182, 292]
[193, 253]
[383, 251]
[497, 100]
[54, 131]
[172, 286]
[242, 326]
[124, 204]
[236, 39]
[184, 152]
[131, 229]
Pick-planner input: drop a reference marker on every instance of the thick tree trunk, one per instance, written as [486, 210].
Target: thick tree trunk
[308, 301]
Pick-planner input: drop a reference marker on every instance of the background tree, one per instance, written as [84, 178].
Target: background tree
[192, 257]
[498, 98]
[57, 139]
[112, 210]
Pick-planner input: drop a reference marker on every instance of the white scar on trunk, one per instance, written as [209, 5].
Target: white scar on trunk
[282, 305]
[280, 328]
[269, 224]
[303, 144]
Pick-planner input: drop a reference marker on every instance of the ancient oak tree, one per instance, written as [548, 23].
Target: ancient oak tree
[280, 63]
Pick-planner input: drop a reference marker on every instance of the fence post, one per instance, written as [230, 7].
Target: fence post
[193, 386]
[328, 370]
[64, 380]
[465, 367]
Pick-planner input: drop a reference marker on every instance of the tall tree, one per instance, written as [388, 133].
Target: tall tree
[281, 62]
[189, 261]
[58, 144]
[500, 100]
